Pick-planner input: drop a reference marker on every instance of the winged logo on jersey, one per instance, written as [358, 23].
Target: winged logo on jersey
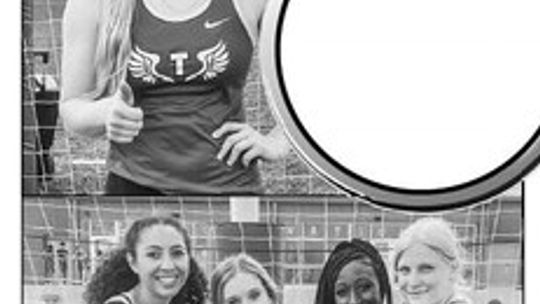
[143, 65]
[214, 61]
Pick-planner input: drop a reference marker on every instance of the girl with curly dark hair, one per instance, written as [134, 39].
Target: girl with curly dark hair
[155, 266]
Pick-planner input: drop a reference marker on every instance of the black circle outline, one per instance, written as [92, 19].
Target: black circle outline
[531, 145]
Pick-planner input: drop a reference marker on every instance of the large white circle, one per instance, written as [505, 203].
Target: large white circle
[415, 94]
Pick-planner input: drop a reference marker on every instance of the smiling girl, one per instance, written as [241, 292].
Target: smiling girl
[427, 264]
[240, 279]
[154, 266]
[354, 274]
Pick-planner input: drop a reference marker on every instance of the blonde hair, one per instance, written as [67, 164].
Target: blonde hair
[434, 233]
[114, 45]
[241, 263]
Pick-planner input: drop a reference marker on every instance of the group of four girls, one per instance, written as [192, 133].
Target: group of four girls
[156, 266]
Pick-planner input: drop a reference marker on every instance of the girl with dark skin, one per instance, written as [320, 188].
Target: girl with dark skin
[354, 274]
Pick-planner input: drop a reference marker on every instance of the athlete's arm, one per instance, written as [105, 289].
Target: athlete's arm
[277, 134]
[279, 141]
[242, 142]
[81, 114]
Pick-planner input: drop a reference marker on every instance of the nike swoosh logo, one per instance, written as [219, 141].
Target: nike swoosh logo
[213, 24]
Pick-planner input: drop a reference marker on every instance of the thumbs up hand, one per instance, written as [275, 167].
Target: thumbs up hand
[123, 121]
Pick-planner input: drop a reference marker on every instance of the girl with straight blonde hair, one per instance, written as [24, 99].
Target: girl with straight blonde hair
[427, 264]
[240, 279]
[163, 81]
